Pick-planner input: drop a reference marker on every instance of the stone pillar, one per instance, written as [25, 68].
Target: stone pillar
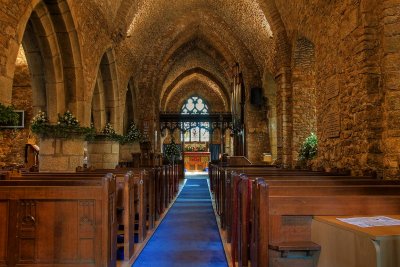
[60, 155]
[103, 154]
[284, 114]
[126, 150]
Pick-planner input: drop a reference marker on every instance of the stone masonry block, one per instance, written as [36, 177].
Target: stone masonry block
[47, 146]
[115, 147]
[53, 164]
[75, 161]
[73, 147]
[95, 158]
[99, 147]
[111, 158]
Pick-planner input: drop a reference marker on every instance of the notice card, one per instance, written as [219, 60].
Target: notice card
[371, 221]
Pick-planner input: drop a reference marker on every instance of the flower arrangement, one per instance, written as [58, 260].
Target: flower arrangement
[7, 115]
[108, 133]
[67, 120]
[172, 151]
[195, 148]
[67, 126]
[133, 135]
[108, 129]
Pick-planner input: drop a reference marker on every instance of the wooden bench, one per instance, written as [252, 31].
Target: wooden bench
[129, 197]
[225, 201]
[226, 193]
[282, 214]
[58, 223]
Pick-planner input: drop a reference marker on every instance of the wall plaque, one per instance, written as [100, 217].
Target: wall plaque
[332, 125]
[332, 88]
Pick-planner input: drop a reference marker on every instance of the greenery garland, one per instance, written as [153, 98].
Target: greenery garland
[108, 133]
[133, 135]
[67, 127]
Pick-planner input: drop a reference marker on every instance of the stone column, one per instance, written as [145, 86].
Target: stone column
[60, 155]
[284, 114]
[103, 154]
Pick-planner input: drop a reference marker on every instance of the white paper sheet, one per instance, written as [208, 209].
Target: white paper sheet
[371, 221]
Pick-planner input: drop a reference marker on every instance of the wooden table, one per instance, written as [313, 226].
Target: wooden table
[347, 245]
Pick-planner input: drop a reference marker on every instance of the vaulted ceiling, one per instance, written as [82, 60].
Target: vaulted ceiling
[168, 40]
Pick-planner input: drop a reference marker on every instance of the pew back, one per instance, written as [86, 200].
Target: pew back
[62, 223]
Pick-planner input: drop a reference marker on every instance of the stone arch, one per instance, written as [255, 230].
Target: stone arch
[304, 92]
[43, 55]
[98, 110]
[201, 75]
[47, 33]
[200, 86]
[107, 83]
[130, 109]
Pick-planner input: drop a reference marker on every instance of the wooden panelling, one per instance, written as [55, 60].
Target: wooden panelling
[3, 231]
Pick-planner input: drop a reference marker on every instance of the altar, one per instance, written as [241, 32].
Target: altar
[196, 161]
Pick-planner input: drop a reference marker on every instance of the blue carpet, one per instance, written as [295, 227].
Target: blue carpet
[188, 235]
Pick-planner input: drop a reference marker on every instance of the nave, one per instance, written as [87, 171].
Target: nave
[188, 235]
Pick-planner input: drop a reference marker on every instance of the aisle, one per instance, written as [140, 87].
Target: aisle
[188, 235]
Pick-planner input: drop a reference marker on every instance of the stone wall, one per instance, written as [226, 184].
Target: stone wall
[257, 138]
[304, 94]
[389, 26]
[356, 81]
[12, 149]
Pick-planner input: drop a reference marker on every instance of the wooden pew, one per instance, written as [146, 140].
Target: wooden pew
[223, 186]
[127, 192]
[225, 200]
[143, 198]
[58, 223]
[281, 215]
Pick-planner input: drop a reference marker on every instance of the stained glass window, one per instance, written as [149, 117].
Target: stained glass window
[195, 105]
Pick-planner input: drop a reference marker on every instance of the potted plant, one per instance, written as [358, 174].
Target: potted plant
[308, 151]
[172, 152]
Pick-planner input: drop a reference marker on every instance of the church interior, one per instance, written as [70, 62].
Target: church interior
[200, 133]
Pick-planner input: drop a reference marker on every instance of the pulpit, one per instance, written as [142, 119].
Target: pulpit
[196, 161]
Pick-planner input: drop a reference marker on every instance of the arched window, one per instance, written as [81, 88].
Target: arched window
[196, 106]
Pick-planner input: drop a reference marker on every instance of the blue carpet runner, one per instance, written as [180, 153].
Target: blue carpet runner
[188, 235]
